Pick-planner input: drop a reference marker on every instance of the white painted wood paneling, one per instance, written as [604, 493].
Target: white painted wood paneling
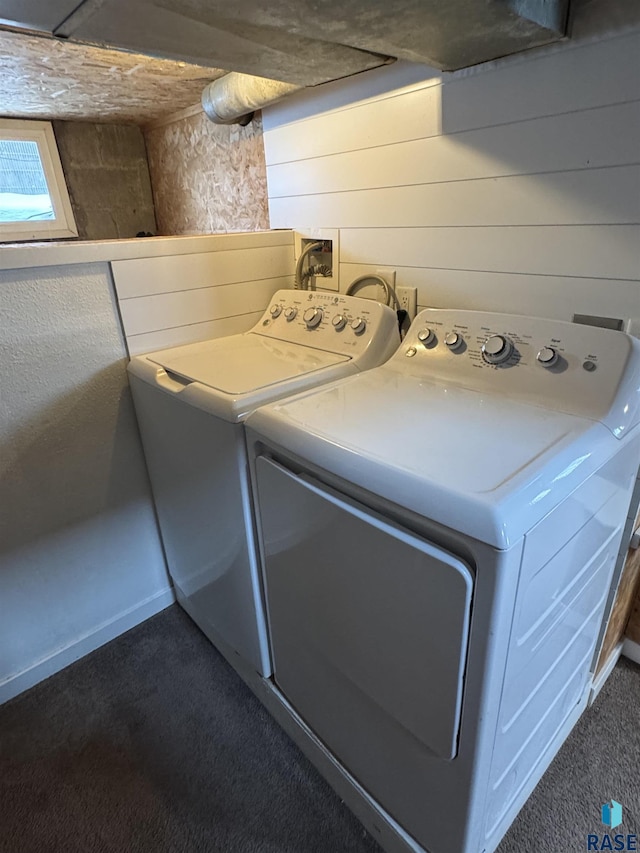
[178, 299]
[411, 115]
[585, 197]
[150, 276]
[384, 82]
[608, 251]
[165, 338]
[511, 292]
[605, 136]
[514, 184]
[185, 307]
[579, 77]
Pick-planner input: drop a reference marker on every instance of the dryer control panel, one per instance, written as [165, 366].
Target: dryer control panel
[582, 370]
[348, 325]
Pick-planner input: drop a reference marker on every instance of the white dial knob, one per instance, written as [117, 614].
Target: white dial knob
[313, 317]
[290, 313]
[453, 340]
[496, 349]
[358, 325]
[547, 357]
[426, 336]
[339, 322]
[276, 310]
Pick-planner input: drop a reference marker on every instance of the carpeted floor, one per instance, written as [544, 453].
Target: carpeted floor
[153, 745]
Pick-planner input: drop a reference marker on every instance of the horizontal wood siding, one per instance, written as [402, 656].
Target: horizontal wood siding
[186, 307]
[152, 341]
[179, 299]
[513, 186]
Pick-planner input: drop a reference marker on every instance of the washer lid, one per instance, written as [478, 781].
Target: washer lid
[479, 463]
[241, 364]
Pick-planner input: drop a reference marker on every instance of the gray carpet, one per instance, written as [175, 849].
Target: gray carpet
[153, 744]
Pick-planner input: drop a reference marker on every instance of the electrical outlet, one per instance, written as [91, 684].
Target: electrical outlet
[408, 299]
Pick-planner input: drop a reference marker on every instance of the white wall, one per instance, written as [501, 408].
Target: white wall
[80, 554]
[80, 557]
[511, 186]
[180, 299]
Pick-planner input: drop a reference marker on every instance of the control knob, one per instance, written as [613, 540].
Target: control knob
[496, 349]
[290, 313]
[276, 310]
[453, 340]
[313, 317]
[359, 325]
[339, 322]
[547, 357]
[426, 336]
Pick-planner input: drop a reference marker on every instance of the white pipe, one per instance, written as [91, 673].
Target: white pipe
[232, 99]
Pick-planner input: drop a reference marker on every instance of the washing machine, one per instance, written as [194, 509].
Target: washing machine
[191, 402]
[438, 538]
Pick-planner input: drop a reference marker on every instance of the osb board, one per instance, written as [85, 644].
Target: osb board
[208, 178]
[633, 626]
[623, 608]
[46, 78]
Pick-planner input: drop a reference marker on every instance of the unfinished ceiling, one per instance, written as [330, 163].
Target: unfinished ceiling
[46, 78]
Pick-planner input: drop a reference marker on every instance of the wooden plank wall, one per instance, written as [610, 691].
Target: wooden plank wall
[622, 612]
[512, 186]
[631, 590]
[168, 301]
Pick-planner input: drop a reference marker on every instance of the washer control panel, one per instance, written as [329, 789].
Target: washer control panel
[341, 324]
[570, 367]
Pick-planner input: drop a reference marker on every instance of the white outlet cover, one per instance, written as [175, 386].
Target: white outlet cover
[389, 275]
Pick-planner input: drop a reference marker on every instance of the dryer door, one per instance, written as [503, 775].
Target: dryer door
[369, 623]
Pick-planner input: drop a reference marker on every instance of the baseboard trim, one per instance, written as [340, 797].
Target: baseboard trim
[631, 650]
[89, 642]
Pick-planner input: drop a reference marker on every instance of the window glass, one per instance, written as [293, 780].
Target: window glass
[24, 194]
[34, 200]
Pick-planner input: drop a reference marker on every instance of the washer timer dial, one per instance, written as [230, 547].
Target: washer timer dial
[496, 349]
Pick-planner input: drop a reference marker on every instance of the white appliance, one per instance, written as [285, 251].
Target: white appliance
[191, 401]
[439, 536]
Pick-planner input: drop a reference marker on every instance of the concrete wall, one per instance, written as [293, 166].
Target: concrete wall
[510, 186]
[107, 174]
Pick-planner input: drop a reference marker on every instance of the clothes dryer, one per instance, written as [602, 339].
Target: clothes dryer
[191, 402]
[439, 536]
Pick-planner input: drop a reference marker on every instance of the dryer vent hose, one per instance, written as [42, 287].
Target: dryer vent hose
[234, 98]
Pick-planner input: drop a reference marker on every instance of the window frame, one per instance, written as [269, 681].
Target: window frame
[64, 224]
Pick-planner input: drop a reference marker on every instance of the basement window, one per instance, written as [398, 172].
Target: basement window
[34, 201]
